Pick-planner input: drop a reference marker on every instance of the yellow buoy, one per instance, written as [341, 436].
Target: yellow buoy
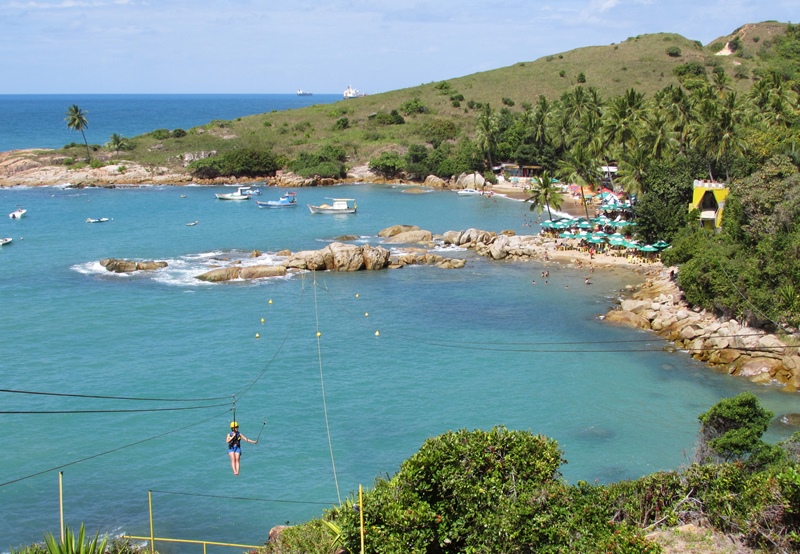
[356, 295]
[366, 314]
[270, 301]
[258, 336]
[262, 320]
[319, 334]
[377, 333]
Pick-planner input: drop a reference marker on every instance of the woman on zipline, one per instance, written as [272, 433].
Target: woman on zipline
[234, 439]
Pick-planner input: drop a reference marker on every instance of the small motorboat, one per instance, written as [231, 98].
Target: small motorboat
[468, 192]
[338, 206]
[18, 213]
[240, 194]
[253, 192]
[5, 241]
[288, 200]
[99, 220]
[192, 224]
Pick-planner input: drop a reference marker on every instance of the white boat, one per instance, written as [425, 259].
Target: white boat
[18, 213]
[253, 192]
[337, 206]
[468, 192]
[301, 92]
[5, 241]
[351, 92]
[288, 200]
[192, 224]
[99, 220]
[240, 194]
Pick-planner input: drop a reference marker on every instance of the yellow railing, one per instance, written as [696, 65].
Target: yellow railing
[153, 539]
[204, 543]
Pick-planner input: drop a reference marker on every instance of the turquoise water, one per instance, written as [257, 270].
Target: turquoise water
[469, 348]
[37, 120]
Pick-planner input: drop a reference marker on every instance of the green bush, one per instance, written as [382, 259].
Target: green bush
[383, 118]
[96, 164]
[414, 106]
[690, 69]
[673, 52]
[178, 133]
[328, 161]
[243, 162]
[161, 134]
[341, 124]
[388, 164]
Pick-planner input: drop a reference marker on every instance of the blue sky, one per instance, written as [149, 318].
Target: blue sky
[278, 46]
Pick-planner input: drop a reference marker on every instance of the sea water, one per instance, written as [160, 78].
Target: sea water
[38, 120]
[401, 356]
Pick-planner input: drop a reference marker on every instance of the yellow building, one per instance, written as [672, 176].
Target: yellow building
[709, 198]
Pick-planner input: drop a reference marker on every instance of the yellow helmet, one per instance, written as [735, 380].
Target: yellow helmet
[234, 424]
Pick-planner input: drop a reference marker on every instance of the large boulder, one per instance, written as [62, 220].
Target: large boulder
[129, 266]
[219, 275]
[340, 257]
[396, 230]
[375, 257]
[627, 318]
[470, 181]
[434, 182]
[262, 271]
[410, 237]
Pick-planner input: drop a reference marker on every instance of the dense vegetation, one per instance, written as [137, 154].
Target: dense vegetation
[501, 491]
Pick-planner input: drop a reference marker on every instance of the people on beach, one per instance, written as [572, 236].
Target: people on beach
[587, 281]
[234, 439]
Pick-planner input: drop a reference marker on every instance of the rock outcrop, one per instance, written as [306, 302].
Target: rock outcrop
[236, 272]
[129, 266]
[761, 357]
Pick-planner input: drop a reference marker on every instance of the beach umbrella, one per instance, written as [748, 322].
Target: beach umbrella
[584, 225]
[583, 234]
[617, 236]
[566, 235]
[661, 244]
[599, 234]
[595, 240]
[547, 223]
[648, 248]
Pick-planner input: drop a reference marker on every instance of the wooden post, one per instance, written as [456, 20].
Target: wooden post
[361, 515]
[152, 536]
[61, 503]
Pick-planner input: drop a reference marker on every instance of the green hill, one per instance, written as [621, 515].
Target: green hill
[450, 108]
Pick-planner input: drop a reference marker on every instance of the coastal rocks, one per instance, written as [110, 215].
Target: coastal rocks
[470, 181]
[434, 182]
[742, 351]
[128, 266]
[340, 257]
[223, 274]
[410, 237]
[189, 157]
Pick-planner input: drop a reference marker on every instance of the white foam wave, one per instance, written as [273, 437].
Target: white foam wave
[182, 271]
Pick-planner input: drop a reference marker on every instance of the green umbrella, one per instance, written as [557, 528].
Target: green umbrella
[595, 240]
[661, 244]
[599, 234]
[648, 248]
[566, 235]
[547, 223]
[615, 236]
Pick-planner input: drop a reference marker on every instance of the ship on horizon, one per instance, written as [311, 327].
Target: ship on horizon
[301, 92]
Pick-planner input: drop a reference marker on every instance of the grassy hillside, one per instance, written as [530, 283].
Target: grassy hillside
[645, 63]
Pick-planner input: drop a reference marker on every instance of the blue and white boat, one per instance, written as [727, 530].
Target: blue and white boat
[288, 200]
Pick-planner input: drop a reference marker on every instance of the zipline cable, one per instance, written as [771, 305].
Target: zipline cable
[62, 466]
[322, 383]
[227, 497]
[132, 398]
[109, 411]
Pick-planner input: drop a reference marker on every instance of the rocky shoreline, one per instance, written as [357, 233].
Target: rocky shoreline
[656, 305]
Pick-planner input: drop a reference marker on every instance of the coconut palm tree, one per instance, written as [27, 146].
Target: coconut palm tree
[487, 131]
[581, 168]
[544, 194]
[76, 120]
[623, 118]
[116, 142]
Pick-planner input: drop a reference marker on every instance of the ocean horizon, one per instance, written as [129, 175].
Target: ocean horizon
[37, 120]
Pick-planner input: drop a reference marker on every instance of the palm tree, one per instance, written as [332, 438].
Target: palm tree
[623, 118]
[76, 120]
[544, 194]
[487, 132]
[579, 167]
[116, 142]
